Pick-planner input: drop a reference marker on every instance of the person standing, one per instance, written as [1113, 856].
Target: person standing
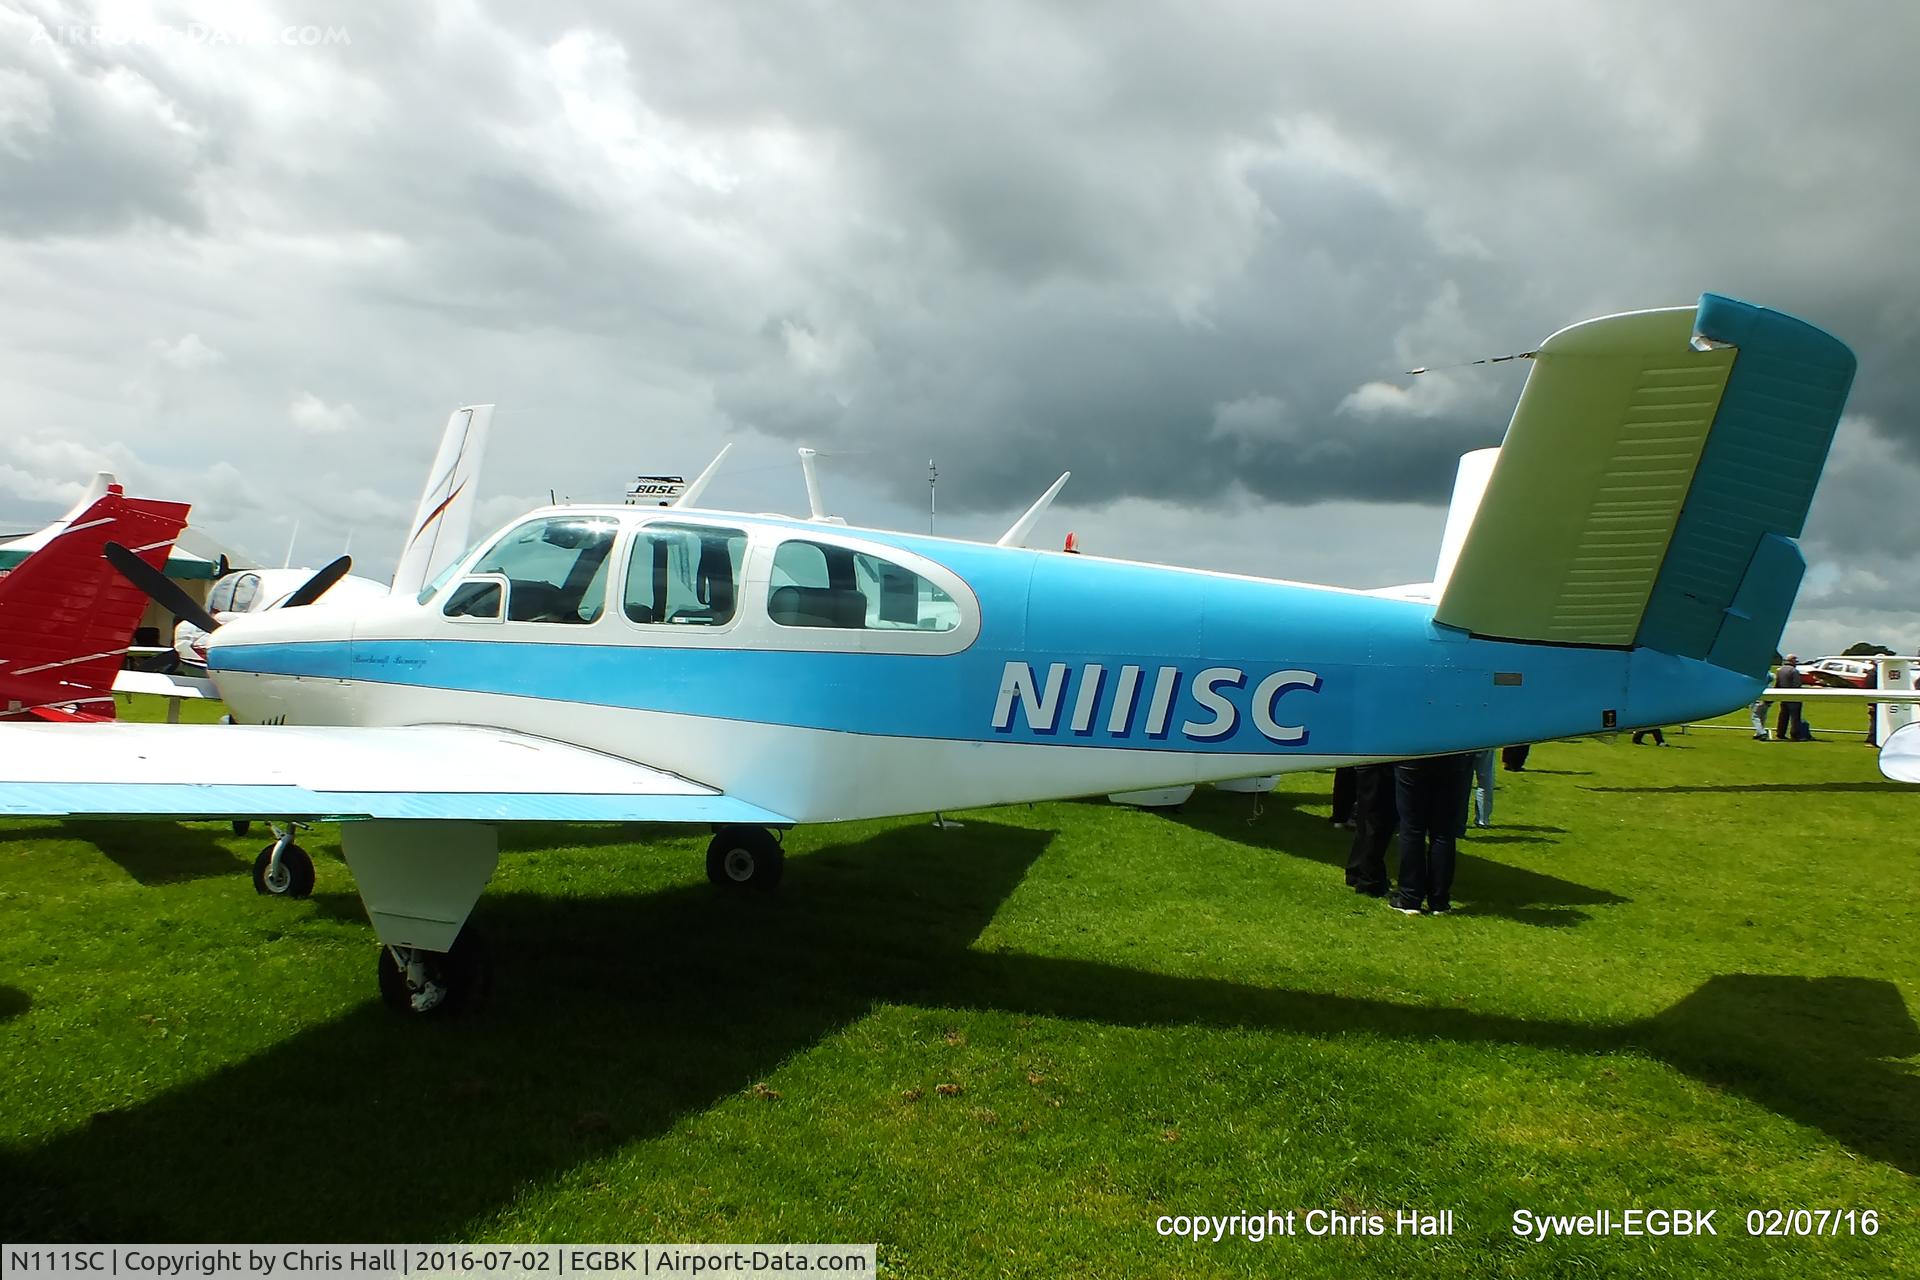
[1343, 798]
[1873, 708]
[1374, 819]
[1759, 714]
[1787, 727]
[1429, 794]
[1483, 788]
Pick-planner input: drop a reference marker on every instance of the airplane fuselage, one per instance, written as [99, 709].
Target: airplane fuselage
[1044, 675]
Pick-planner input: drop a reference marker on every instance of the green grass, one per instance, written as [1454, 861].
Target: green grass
[1683, 977]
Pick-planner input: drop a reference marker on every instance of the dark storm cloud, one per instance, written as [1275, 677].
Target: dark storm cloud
[1184, 250]
[1169, 213]
[89, 140]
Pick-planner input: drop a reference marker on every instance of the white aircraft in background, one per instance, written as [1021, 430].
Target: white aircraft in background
[243, 591]
[633, 664]
[436, 535]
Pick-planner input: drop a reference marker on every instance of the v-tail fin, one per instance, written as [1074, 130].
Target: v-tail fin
[1648, 493]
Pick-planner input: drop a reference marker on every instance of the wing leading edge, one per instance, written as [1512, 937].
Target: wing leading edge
[428, 772]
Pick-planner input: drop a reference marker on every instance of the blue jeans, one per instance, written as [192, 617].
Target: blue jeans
[1430, 795]
[1483, 787]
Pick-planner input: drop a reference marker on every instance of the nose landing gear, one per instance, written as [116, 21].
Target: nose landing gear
[283, 869]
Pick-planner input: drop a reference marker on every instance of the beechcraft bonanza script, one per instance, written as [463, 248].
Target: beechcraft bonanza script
[1631, 562]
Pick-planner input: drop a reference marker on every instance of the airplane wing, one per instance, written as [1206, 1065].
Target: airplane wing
[163, 685]
[340, 772]
[1816, 693]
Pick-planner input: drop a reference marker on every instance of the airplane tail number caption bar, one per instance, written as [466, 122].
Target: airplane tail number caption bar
[420, 1261]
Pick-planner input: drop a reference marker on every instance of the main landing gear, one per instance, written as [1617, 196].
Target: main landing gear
[745, 858]
[419, 881]
[433, 984]
[283, 869]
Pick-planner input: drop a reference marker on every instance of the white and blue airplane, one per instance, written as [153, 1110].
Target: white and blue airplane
[1631, 562]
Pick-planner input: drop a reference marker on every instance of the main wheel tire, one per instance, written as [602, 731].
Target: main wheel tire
[464, 973]
[295, 878]
[745, 858]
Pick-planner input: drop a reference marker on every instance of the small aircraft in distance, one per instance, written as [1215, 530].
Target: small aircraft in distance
[244, 591]
[1629, 565]
[66, 616]
[1841, 673]
[1889, 689]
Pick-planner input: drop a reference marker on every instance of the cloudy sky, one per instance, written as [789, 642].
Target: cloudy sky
[252, 256]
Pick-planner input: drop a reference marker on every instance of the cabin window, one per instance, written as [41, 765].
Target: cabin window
[556, 571]
[246, 588]
[684, 575]
[816, 584]
[220, 599]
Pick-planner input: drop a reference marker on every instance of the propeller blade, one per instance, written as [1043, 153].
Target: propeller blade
[161, 589]
[316, 586]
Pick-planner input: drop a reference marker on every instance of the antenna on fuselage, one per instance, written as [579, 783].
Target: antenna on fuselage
[933, 477]
[1467, 364]
[1017, 535]
[816, 508]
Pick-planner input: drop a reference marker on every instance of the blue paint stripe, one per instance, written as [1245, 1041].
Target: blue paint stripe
[1443, 698]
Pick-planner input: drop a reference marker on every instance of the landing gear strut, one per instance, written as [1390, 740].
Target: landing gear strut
[433, 984]
[745, 858]
[283, 869]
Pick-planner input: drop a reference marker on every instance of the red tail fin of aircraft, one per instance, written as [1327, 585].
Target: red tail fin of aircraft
[66, 616]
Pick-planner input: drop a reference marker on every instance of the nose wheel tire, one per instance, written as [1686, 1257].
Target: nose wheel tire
[293, 878]
[741, 858]
[436, 984]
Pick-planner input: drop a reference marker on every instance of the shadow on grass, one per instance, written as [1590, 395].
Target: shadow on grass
[534, 837]
[1487, 888]
[618, 1017]
[613, 1018]
[1820, 1051]
[156, 853]
[1761, 787]
[13, 1003]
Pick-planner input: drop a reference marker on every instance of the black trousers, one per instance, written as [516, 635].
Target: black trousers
[1787, 727]
[1429, 794]
[1375, 820]
[1515, 758]
[1342, 795]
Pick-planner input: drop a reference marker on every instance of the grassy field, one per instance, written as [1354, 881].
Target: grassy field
[1681, 978]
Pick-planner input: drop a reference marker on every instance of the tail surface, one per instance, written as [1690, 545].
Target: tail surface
[438, 532]
[1648, 493]
[65, 614]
